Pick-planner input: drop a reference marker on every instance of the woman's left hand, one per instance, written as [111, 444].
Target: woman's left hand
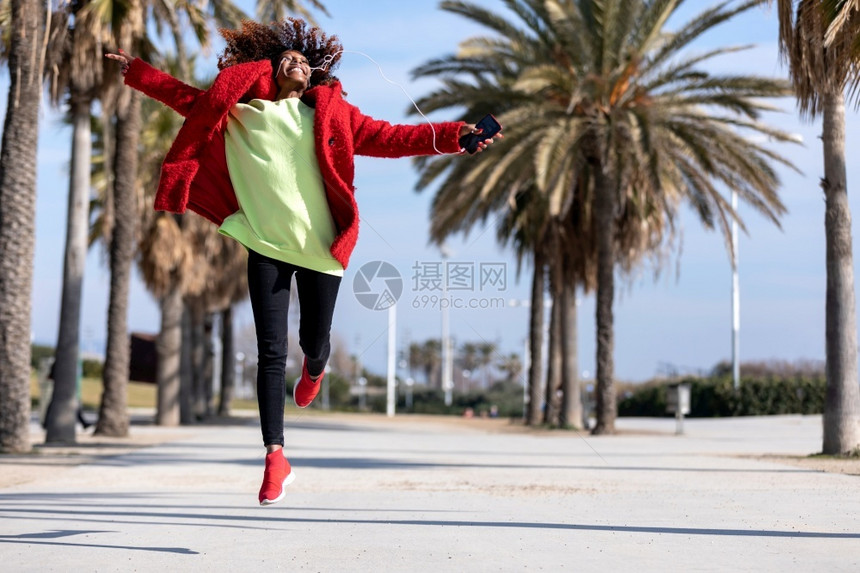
[122, 58]
[468, 128]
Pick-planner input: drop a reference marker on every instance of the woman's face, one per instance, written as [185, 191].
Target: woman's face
[293, 68]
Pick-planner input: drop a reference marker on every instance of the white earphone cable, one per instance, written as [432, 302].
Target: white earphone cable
[327, 63]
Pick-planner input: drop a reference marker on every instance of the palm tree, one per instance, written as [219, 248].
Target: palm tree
[228, 363]
[552, 400]
[426, 356]
[821, 66]
[468, 359]
[75, 67]
[536, 326]
[5, 27]
[653, 128]
[126, 22]
[570, 409]
[512, 367]
[507, 192]
[199, 17]
[113, 418]
[840, 16]
[553, 230]
[122, 233]
[73, 71]
[486, 353]
[614, 116]
[276, 10]
[163, 259]
[17, 213]
[417, 360]
[128, 30]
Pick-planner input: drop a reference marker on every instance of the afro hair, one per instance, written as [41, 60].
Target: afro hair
[254, 42]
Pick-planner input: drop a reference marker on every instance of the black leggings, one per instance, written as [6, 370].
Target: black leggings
[269, 286]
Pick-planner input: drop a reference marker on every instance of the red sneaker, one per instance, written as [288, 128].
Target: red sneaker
[276, 477]
[306, 389]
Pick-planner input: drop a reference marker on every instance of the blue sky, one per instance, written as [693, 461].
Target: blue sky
[682, 318]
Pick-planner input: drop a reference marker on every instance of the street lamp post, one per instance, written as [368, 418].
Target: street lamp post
[392, 351]
[362, 393]
[324, 390]
[409, 383]
[527, 356]
[447, 362]
[736, 300]
[736, 297]
[239, 366]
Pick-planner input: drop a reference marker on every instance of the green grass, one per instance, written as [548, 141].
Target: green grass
[140, 395]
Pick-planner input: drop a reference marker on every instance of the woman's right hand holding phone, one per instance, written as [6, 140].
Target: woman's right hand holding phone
[476, 138]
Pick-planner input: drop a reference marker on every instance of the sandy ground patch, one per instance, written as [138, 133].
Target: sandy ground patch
[847, 466]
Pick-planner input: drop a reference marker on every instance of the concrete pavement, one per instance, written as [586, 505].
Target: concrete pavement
[419, 494]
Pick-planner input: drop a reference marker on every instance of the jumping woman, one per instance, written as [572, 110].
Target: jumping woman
[267, 153]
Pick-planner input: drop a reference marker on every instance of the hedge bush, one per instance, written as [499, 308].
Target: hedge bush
[38, 352]
[716, 397]
[505, 396]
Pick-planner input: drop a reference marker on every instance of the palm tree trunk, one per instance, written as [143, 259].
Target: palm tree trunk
[186, 368]
[169, 351]
[571, 399]
[552, 412]
[113, 411]
[198, 360]
[534, 416]
[17, 214]
[208, 365]
[61, 418]
[228, 362]
[842, 401]
[604, 207]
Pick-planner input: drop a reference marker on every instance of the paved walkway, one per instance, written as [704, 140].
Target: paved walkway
[415, 494]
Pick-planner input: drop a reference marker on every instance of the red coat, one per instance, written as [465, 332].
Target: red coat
[194, 173]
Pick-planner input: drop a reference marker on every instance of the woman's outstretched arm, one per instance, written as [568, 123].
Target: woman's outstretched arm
[157, 84]
[379, 138]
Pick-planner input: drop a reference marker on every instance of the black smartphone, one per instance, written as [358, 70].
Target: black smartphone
[488, 126]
